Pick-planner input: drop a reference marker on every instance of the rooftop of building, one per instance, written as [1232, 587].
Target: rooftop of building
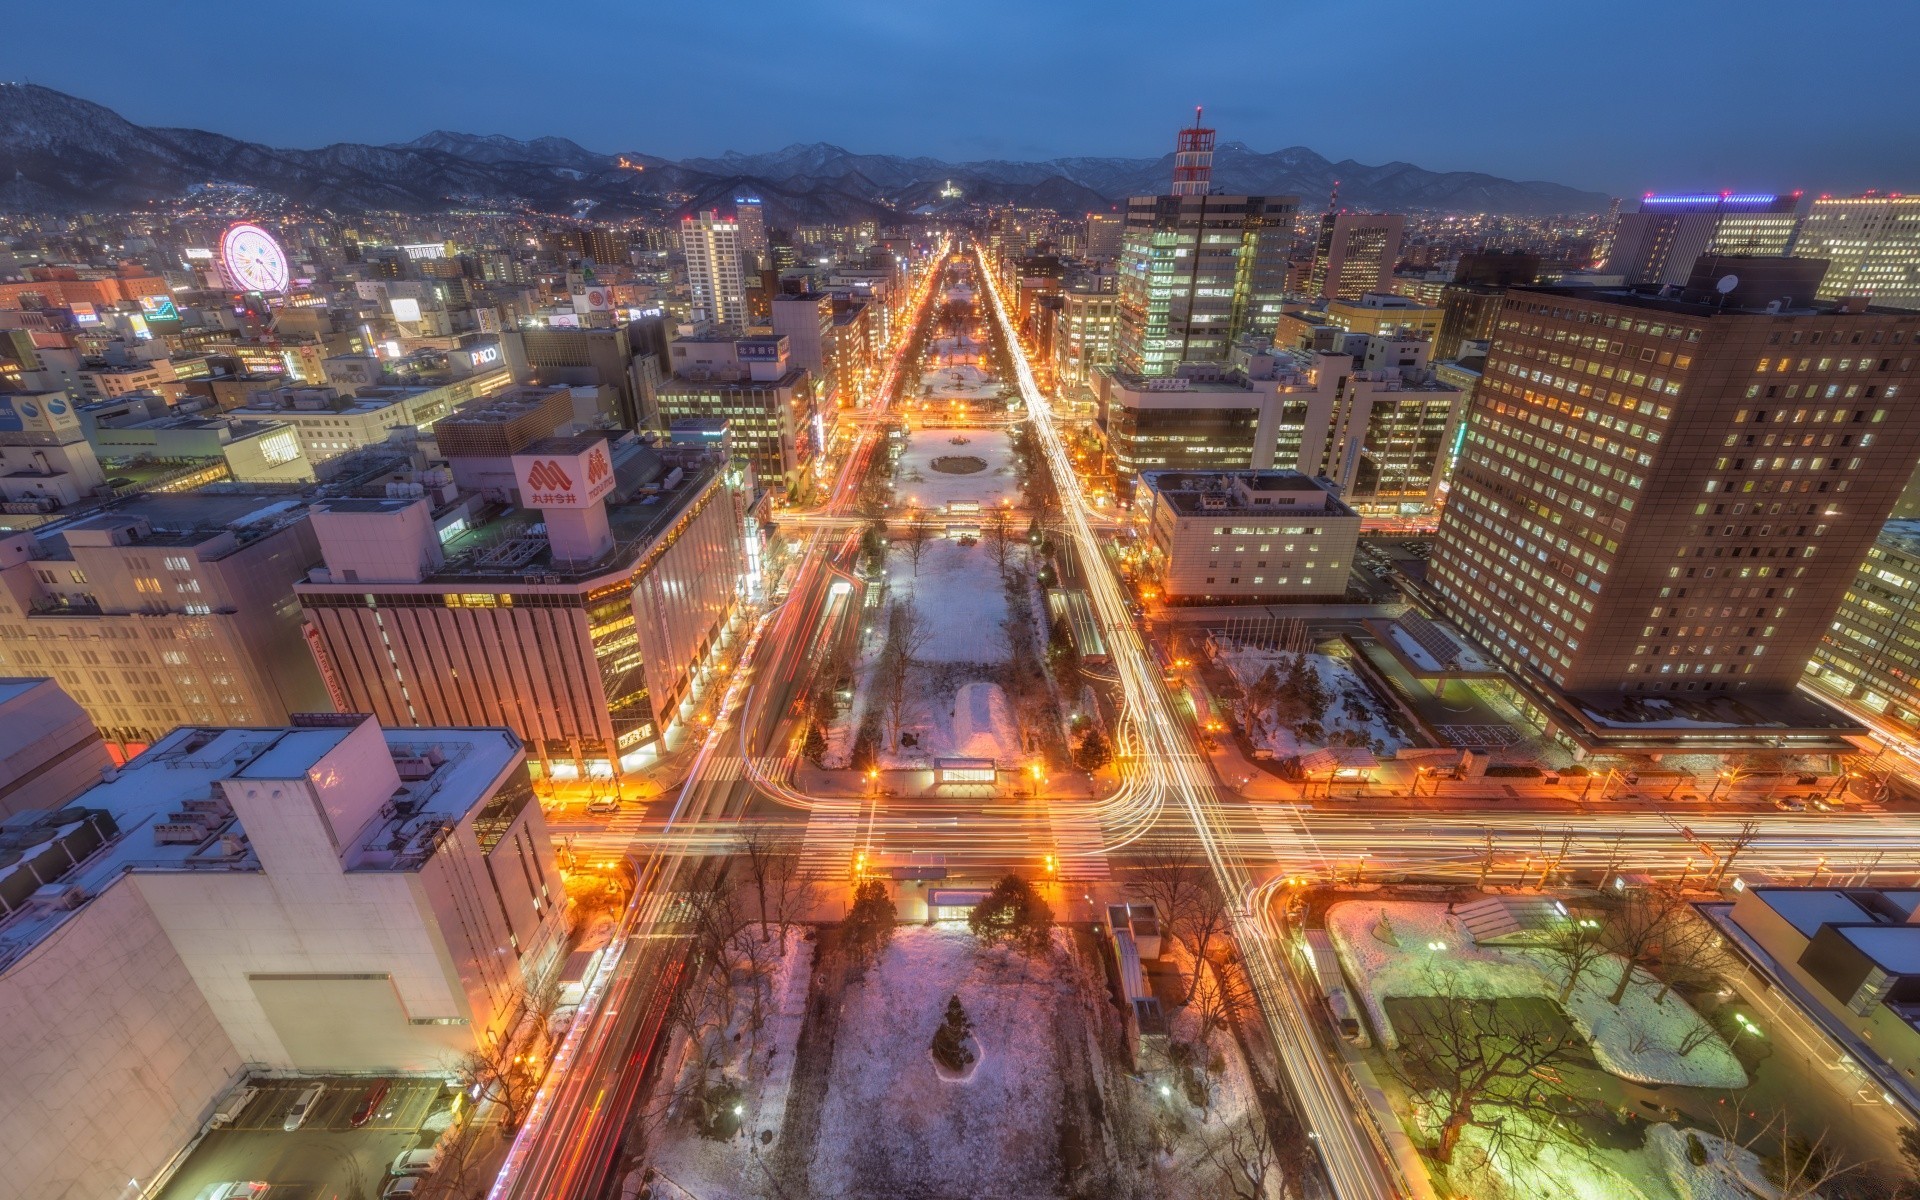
[1244, 493]
[1903, 535]
[1729, 285]
[164, 812]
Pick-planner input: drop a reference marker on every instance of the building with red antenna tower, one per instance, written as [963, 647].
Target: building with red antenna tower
[1198, 270]
[1193, 159]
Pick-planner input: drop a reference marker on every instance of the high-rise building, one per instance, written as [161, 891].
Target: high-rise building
[578, 619]
[581, 358]
[1871, 244]
[323, 897]
[1665, 495]
[165, 610]
[1471, 302]
[751, 215]
[1659, 244]
[1867, 657]
[1197, 272]
[1103, 235]
[716, 268]
[1354, 253]
[769, 401]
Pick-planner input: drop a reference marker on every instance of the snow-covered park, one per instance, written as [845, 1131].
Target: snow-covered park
[956, 466]
[891, 1127]
[1409, 948]
[1284, 724]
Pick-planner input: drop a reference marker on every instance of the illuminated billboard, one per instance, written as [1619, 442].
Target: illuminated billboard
[578, 480]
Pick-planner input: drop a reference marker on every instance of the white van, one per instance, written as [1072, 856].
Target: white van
[228, 1110]
[303, 1106]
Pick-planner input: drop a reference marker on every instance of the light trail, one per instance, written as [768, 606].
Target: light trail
[1353, 1154]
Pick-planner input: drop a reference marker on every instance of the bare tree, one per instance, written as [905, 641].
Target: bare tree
[1640, 929]
[1575, 945]
[772, 860]
[497, 1071]
[1484, 1065]
[1723, 857]
[907, 635]
[1799, 1167]
[917, 535]
[1237, 1160]
[1001, 537]
[462, 1173]
[1206, 922]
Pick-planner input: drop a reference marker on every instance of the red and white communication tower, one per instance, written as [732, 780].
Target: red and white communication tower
[1193, 159]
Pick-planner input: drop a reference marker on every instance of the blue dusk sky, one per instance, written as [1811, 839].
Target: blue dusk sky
[1622, 97]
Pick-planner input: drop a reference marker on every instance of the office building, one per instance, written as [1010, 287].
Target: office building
[1382, 314]
[751, 215]
[1354, 253]
[1470, 303]
[480, 440]
[46, 462]
[578, 619]
[1083, 337]
[578, 357]
[770, 403]
[1848, 958]
[1664, 498]
[330, 423]
[1869, 657]
[321, 897]
[716, 269]
[1103, 236]
[1222, 537]
[140, 428]
[165, 610]
[1871, 244]
[1197, 272]
[50, 751]
[1658, 245]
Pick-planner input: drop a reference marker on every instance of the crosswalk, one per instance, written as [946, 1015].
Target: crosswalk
[1078, 840]
[832, 837]
[723, 768]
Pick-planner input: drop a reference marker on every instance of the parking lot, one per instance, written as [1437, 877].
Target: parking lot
[326, 1158]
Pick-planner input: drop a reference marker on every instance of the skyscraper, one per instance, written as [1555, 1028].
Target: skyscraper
[1354, 253]
[716, 271]
[1669, 494]
[1196, 272]
[752, 217]
[1871, 244]
[1103, 235]
[1659, 244]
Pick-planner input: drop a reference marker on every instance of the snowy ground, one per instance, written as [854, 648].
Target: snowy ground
[1354, 716]
[1638, 1040]
[1658, 1171]
[890, 1127]
[918, 485]
[727, 1170]
[958, 592]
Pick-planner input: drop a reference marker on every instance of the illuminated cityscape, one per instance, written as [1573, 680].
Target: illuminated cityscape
[1114, 655]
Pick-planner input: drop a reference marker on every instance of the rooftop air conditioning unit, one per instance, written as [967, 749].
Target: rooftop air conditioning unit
[59, 897]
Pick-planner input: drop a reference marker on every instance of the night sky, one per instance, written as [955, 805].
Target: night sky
[1622, 96]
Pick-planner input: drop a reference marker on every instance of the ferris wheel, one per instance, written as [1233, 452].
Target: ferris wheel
[252, 259]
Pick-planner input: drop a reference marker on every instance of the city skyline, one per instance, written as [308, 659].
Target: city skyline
[1509, 123]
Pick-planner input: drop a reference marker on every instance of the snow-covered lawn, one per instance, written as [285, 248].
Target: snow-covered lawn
[890, 1127]
[960, 597]
[724, 1170]
[1658, 1171]
[1638, 1040]
[1354, 716]
[918, 485]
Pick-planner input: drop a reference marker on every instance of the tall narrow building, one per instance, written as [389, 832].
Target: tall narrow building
[1658, 245]
[716, 271]
[1662, 499]
[1871, 244]
[751, 215]
[1354, 253]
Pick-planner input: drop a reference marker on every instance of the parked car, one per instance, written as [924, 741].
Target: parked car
[415, 1162]
[1790, 804]
[303, 1106]
[370, 1104]
[402, 1188]
[229, 1109]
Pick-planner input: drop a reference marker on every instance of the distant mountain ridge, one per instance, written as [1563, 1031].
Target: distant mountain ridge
[62, 153]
